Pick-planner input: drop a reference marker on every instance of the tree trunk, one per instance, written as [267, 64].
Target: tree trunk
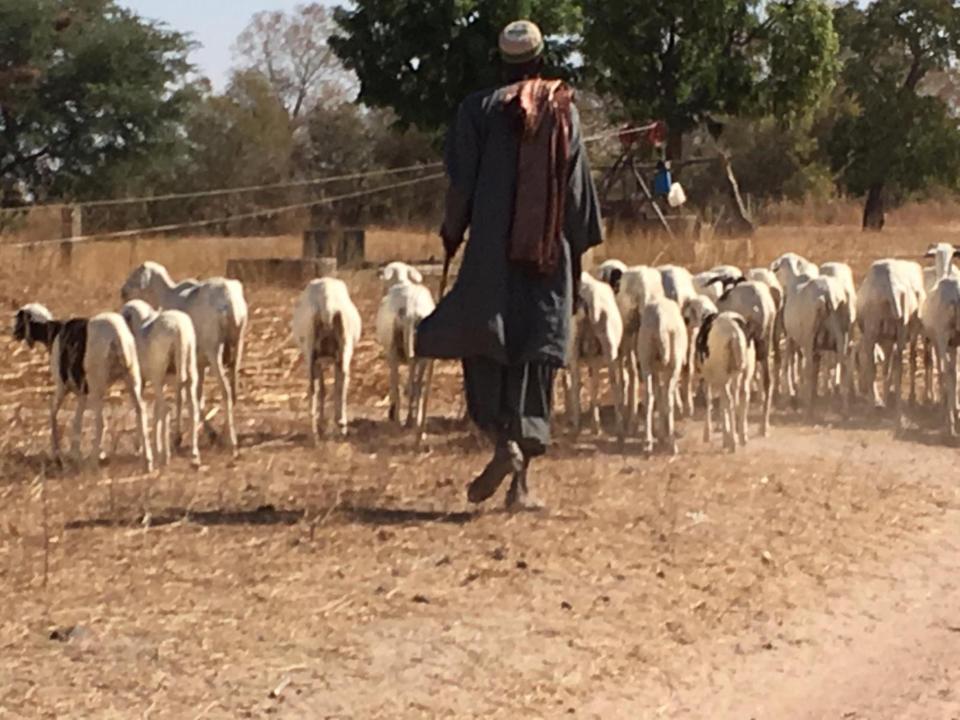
[873, 209]
[674, 144]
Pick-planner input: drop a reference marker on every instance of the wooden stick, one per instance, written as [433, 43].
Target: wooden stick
[428, 381]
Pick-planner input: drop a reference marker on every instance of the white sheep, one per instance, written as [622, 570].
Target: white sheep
[754, 302]
[727, 362]
[940, 316]
[406, 302]
[789, 266]
[635, 289]
[218, 310]
[817, 319]
[888, 306]
[167, 341]
[661, 350]
[86, 357]
[327, 325]
[842, 273]
[595, 341]
[678, 285]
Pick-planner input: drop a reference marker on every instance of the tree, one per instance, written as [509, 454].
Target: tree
[291, 51]
[421, 58]
[903, 137]
[84, 86]
[691, 61]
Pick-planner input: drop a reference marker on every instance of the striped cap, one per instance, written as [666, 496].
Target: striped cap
[520, 42]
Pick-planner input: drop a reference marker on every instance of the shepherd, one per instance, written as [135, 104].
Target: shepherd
[519, 180]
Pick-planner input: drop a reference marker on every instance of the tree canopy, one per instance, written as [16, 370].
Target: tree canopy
[84, 86]
[901, 137]
[421, 57]
[689, 62]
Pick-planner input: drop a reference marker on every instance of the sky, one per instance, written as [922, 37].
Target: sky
[215, 24]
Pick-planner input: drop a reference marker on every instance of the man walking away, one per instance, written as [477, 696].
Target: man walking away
[520, 181]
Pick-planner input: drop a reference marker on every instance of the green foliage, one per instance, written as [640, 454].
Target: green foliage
[84, 87]
[691, 60]
[420, 58]
[901, 138]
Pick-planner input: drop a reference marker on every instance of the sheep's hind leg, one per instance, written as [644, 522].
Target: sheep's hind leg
[224, 383]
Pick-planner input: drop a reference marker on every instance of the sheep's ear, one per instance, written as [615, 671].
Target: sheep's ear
[389, 273]
[775, 265]
[616, 275]
[415, 276]
[714, 279]
[931, 252]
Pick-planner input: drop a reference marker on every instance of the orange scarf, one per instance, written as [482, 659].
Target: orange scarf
[542, 109]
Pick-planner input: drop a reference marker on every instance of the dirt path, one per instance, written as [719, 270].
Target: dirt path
[888, 647]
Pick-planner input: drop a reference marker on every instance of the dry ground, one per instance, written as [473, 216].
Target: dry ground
[814, 575]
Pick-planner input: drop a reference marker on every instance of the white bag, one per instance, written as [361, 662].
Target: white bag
[677, 196]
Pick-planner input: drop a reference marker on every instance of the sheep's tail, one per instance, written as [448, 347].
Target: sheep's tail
[339, 331]
[124, 349]
[738, 351]
[409, 329]
[234, 331]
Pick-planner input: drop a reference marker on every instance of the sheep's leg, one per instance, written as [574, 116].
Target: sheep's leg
[791, 369]
[573, 394]
[161, 426]
[669, 417]
[77, 433]
[767, 388]
[181, 388]
[929, 389]
[56, 401]
[648, 429]
[617, 382]
[897, 380]
[422, 372]
[948, 375]
[726, 410]
[913, 370]
[594, 398]
[742, 408]
[317, 399]
[394, 389]
[688, 370]
[411, 393]
[813, 380]
[778, 363]
[136, 397]
[708, 418]
[633, 392]
[341, 382]
[224, 383]
[193, 406]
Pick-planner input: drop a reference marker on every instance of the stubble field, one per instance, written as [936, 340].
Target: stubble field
[354, 580]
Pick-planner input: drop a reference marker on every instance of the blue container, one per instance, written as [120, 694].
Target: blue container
[662, 182]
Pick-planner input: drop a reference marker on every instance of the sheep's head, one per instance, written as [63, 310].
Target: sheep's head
[31, 324]
[611, 272]
[136, 313]
[397, 273]
[143, 282]
[697, 309]
[943, 253]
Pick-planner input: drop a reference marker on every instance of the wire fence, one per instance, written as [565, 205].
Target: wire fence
[226, 210]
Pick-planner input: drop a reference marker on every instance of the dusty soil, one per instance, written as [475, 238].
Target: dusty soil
[814, 575]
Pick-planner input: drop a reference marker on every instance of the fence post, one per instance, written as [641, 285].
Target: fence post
[71, 226]
[347, 246]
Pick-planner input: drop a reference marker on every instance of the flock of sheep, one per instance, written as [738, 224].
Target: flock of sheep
[771, 328]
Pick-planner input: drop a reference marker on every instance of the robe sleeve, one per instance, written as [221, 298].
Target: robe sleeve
[582, 225]
[462, 159]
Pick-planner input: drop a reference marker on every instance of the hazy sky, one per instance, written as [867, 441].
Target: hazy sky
[213, 23]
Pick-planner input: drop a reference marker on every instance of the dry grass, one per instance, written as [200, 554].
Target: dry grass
[357, 572]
